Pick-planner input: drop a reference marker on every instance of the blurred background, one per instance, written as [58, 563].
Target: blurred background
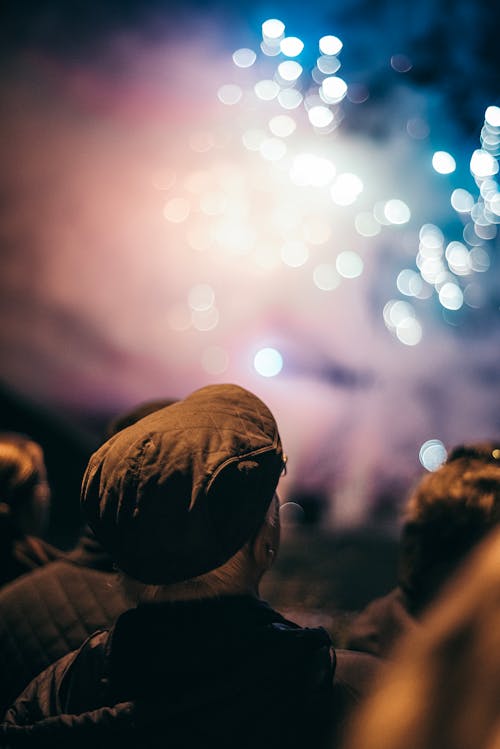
[300, 199]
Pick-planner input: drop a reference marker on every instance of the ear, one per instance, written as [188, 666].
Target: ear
[265, 545]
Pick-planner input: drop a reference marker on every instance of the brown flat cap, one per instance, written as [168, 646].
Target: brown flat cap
[179, 492]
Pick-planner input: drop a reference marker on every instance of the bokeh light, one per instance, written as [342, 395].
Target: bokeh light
[443, 162]
[349, 264]
[244, 57]
[330, 45]
[291, 46]
[432, 454]
[268, 362]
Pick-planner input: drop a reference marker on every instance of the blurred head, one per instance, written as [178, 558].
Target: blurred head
[182, 491]
[450, 510]
[127, 418]
[24, 492]
[442, 689]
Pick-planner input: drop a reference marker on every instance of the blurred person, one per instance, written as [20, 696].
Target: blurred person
[24, 504]
[442, 688]
[448, 513]
[185, 502]
[52, 610]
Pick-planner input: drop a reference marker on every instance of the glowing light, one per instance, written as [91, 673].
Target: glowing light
[213, 203]
[409, 282]
[451, 296]
[483, 164]
[480, 260]
[204, 320]
[409, 332]
[431, 238]
[320, 116]
[291, 46]
[443, 162]
[308, 169]
[177, 210]
[326, 66]
[432, 454]
[458, 258]
[492, 116]
[401, 63]
[244, 57]
[461, 200]
[215, 360]
[282, 125]
[268, 362]
[290, 98]
[270, 47]
[273, 29]
[294, 253]
[346, 189]
[326, 277]
[334, 89]
[229, 94]
[366, 225]
[201, 297]
[289, 70]
[252, 139]
[397, 212]
[266, 89]
[272, 149]
[330, 45]
[349, 264]
[396, 312]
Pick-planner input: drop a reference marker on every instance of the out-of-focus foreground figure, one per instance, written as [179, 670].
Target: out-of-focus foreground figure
[442, 691]
[24, 503]
[448, 513]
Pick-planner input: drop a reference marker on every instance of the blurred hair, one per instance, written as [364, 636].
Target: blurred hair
[442, 688]
[231, 578]
[449, 511]
[127, 418]
[21, 471]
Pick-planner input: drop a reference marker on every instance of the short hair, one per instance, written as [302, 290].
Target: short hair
[449, 511]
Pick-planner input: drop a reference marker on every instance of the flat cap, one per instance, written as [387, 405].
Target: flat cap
[179, 492]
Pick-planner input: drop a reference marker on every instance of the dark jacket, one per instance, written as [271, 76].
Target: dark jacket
[51, 611]
[21, 554]
[381, 624]
[227, 672]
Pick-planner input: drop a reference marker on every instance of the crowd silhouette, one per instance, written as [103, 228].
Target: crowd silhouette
[152, 629]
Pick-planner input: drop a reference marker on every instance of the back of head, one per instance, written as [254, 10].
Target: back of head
[450, 510]
[442, 689]
[179, 492]
[23, 486]
[139, 411]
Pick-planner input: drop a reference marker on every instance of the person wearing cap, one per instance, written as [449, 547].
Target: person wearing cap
[449, 512]
[185, 502]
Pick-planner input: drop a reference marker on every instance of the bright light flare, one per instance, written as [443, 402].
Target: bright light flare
[291, 46]
[443, 162]
[330, 45]
[268, 362]
[273, 29]
[397, 212]
[346, 189]
[282, 125]
[483, 164]
[432, 455]
[349, 264]
[334, 89]
[320, 116]
[289, 71]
